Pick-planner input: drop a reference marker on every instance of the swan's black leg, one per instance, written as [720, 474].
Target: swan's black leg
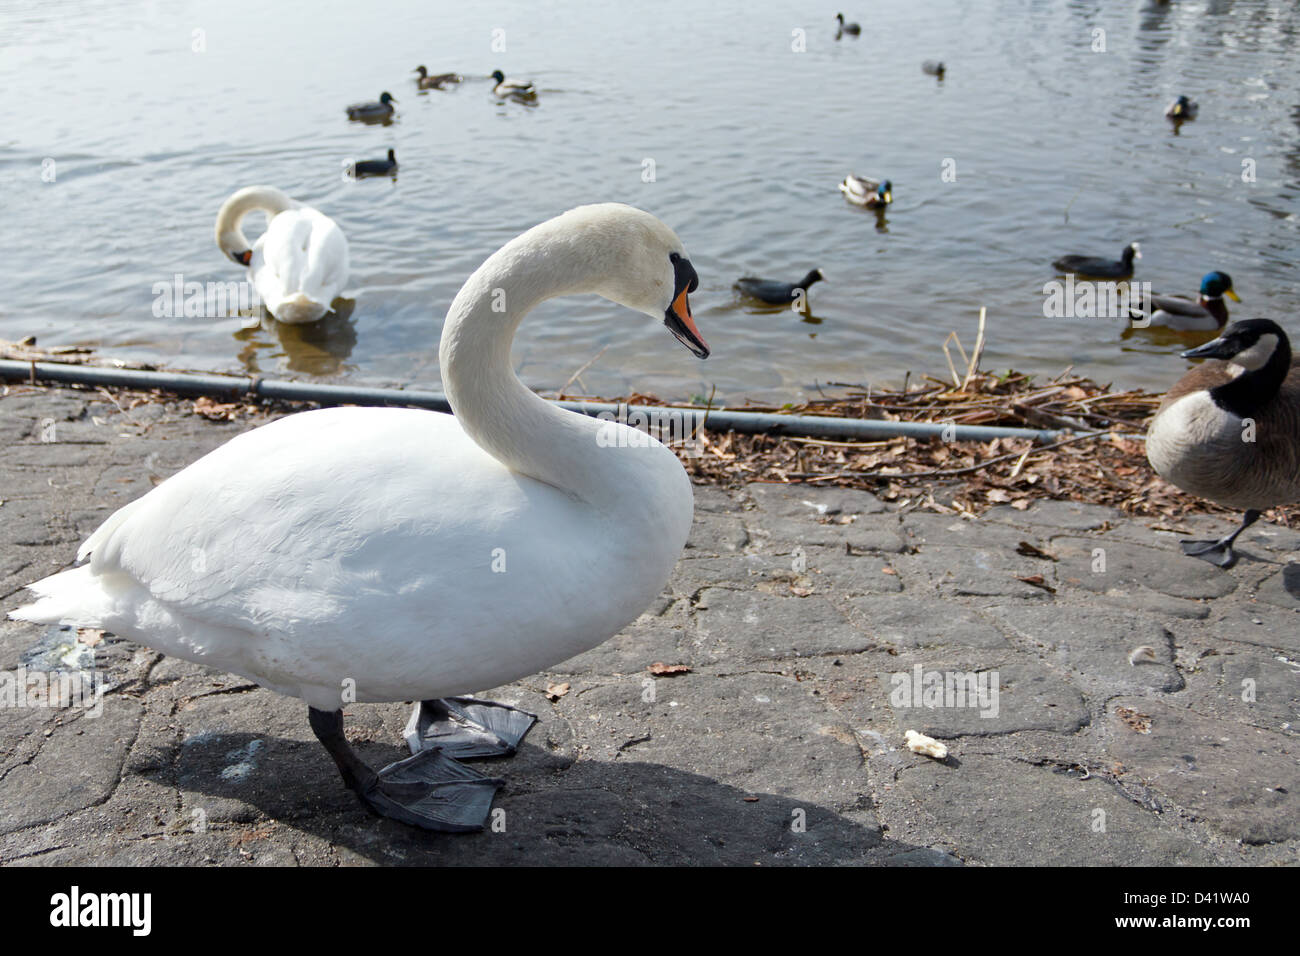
[429, 790]
[465, 728]
[1220, 552]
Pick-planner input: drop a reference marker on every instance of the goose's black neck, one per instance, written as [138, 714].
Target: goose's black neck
[1250, 391]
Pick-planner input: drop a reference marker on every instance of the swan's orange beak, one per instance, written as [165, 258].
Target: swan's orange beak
[681, 323]
[243, 258]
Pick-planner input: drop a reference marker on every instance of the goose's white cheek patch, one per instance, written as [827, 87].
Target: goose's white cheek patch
[1257, 355]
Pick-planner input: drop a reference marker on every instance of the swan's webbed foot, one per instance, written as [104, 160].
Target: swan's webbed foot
[465, 728]
[429, 790]
[1220, 551]
[433, 791]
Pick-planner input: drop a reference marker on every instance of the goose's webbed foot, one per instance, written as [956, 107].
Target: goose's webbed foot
[1219, 551]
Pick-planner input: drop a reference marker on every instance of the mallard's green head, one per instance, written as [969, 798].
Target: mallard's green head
[1217, 284]
[386, 98]
[886, 191]
[498, 76]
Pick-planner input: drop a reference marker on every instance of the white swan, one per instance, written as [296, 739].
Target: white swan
[382, 554]
[299, 265]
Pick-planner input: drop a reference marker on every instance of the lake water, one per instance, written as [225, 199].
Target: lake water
[1057, 148]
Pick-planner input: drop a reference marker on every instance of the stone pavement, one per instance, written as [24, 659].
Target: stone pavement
[1146, 707]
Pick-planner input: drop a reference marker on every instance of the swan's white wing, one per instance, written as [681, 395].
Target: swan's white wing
[378, 545]
[303, 253]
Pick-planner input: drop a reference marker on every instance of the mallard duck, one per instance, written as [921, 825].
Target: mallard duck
[523, 89]
[777, 293]
[375, 167]
[852, 29]
[1181, 109]
[867, 192]
[933, 67]
[1229, 430]
[426, 82]
[1206, 314]
[373, 111]
[350, 555]
[1097, 268]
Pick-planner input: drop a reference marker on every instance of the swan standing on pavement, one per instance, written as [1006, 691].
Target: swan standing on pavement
[385, 554]
[299, 265]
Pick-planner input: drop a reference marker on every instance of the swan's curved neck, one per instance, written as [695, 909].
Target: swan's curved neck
[230, 237]
[513, 424]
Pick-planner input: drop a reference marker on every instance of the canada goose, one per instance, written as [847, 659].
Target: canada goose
[375, 167]
[521, 89]
[852, 29]
[1097, 268]
[933, 67]
[777, 293]
[867, 192]
[1205, 314]
[373, 111]
[1181, 109]
[426, 82]
[360, 554]
[299, 265]
[1229, 430]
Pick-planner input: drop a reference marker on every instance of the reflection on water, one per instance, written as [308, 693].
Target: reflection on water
[107, 194]
[312, 348]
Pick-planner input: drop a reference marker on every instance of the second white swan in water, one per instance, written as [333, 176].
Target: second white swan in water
[383, 554]
[299, 265]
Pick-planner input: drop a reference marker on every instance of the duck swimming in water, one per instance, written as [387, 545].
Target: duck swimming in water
[375, 167]
[1181, 109]
[519, 89]
[1095, 267]
[867, 192]
[1206, 313]
[426, 82]
[852, 29]
[382, 109]
[777, 293]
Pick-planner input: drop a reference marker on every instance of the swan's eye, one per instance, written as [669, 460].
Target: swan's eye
[673, 257]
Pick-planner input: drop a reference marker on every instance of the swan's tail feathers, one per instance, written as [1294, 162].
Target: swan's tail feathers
[100, 536]
[299, 308]
[69, 597]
